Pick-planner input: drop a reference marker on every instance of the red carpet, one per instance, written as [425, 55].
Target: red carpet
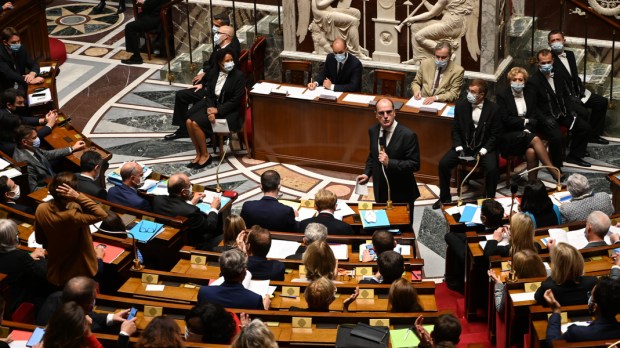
[475, 332]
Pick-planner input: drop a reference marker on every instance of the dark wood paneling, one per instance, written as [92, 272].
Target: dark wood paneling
[28, 18]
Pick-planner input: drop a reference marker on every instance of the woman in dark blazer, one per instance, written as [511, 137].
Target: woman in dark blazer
[225, 91]
[519, 121]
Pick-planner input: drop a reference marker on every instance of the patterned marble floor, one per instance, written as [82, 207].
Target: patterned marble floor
[128, 110]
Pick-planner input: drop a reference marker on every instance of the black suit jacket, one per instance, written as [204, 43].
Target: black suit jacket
[200, 227]
[230, 295]
[229, 102]
[568, 294]
[350, 77]
[334, 226]
[551, 103]
[270, 214]
[54, 301]
[576, 87]
[13, 66]
[24, 276]
[90, 187]
[599, 329]
[23, 208]
[511, 121]
[263, 269]
[404, 154]
[483, 136]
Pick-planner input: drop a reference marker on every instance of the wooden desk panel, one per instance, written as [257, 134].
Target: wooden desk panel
[334, 135]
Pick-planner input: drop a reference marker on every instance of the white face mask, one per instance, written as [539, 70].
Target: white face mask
[16, 192]
[228, 66]
[36, 142]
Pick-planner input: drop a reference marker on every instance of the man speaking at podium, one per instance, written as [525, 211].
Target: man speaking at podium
[394, 153]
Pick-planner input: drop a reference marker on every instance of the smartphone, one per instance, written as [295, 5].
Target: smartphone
[132, 313]
[37, 337]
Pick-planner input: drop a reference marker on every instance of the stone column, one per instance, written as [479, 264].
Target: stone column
[289, 23]
[386, 38]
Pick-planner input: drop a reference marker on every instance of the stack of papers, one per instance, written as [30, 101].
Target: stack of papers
[342, 210]
[3, 164]
[305, 213]
[359, 98]
[419, 104]
[40, 98]
[264, 87]
[522, 296]
[161, 189]
[576, 238]
[341, 251]
[11, 173]
[381, 219]
[280, 249]
[146, 230]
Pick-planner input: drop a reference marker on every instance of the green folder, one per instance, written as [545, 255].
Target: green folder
[398, 337]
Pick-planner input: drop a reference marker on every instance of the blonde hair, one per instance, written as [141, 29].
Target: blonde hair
[255, 335]
[568, 264]
[319, 294]
[521, 233]
[319, 260]
[517, 70]
[233, 225]
[325, 199]
[527, 264]
[403, 297]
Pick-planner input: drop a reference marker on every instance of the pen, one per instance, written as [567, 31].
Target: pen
[407, 334]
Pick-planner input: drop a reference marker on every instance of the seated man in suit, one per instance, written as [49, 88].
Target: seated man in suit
[231, 293]
[201, 228]
[257, 247]
[10, 193]
[17, 69]
[313, 232]
[127, 193]
[439, 79]
[583, 200]
[148, 19]
[564, 61]
[268, 212]
[558, 109]
[475, 132]
[223, 36]
[382, 240]
[604, 303]
[90, 166]
[325, 202]
[342, 71]
[391, 266]
[597, 227]
[39, 167]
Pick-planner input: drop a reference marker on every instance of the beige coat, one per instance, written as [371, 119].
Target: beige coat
[449, 86]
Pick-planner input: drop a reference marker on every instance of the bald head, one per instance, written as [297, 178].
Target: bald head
[81, 290]
[177, 183]
[339, 46]
[227, 34]
[131, 174]
[598, 223]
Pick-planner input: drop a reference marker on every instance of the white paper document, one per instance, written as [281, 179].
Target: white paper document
[320, 90]
[220, 126]
[44, 70]
[301, 96]
[32, 242]
[342, 210]
[522, 296]
[264, 87]
[280, 249]
[11, 173]
[148, 183]
[586, 96]
[361, 190]
[419, 104]
[259, 287]
[293, 90]
[564, 327]
[305, 213]
[3, 164]
[575, 238]
[155, 287]
[341, 251]
[359, 98]
[39, 98]
[404, 250]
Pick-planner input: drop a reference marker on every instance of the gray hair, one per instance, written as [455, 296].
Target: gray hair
[315, 231]
[256, 334]
[233, 264]
[444, 44]
[599, 223]
[8, 235]
[577, 185]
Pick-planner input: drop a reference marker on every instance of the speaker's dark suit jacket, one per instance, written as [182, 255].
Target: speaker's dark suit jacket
[13, 66]
[125, 195]
[201, 228]
[228, 104]
[350, 77]
[268, 213]
[573, 76]
[263, 269]
[485, 135]
[334, 226]
[404, 154]
[90, 187]
[230, 295]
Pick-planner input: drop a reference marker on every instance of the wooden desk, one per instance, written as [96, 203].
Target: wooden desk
[136, 288]
[334, 135]
[49, 81]
[614, 184]
[28, 18]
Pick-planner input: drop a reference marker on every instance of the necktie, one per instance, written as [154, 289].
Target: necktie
[477, 106]
[563, 55]
[386, 132]
[339, 68]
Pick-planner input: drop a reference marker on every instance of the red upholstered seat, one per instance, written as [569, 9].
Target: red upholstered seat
[25, 313]
[58, 51]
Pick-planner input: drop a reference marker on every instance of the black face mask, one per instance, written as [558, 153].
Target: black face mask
[21, 110]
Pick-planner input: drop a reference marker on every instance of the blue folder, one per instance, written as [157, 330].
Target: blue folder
[205, 207]
[382, 219]
[146, 230]
[468, 213]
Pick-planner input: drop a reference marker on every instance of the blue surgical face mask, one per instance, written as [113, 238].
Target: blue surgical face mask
[557, 47]
[340, 57]
[36, 142]
[546, 68]
[517, 86]
[214, 29]
[228, 66]
[15, 47]
[217, 38]
[16, 192]
[472, 98]
[441, 63]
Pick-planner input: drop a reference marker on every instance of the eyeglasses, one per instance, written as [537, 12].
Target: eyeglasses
[146, 229]
[387, 112]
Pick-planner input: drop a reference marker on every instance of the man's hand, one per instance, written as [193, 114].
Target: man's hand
[429, 100]
[551, 243]
[266, 302]
[197, 78]
[212, 110]
[100, 251]
[425, 337]
[241, 240]
[616, 259]
[244, 320]
[51, 118]
[362, 179]
[493, 276]
[196, 197]
[417, 95]
[215, 203]
[327, 83]
[197, 87]
[348, 301]
[29, 77]
[120, 316]
[67, 192]
[129, 326]
[366, 257]
[499, 233]
[211, 118]
[383, 158]
[614, 238]
[38, 254]
[7, 6]
[313, 85]
[79, 145]
[553, 303]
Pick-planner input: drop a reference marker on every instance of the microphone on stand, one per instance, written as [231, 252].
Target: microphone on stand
[382, 144]
[218, 188]
[137, 266]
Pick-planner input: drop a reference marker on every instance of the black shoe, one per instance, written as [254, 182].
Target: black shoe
[577, 161]
[191, 165]
[176, 135]
[99, 8]
[437, 205]
[599, 140]
[121, 7]
[201, 166]
[135, 59]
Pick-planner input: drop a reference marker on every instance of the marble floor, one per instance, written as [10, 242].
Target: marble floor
[128, 110]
